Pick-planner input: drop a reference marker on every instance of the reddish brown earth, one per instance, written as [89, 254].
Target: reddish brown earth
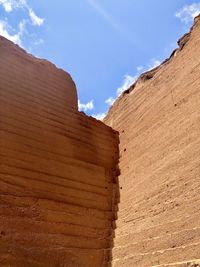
[57, 169]
[158, 119]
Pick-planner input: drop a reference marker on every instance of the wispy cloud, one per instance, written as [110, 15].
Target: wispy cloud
[39, 42]
[188, 12]
[131, 79]
[110, 101]
[153, 64]
[111, 20]
[18, 33]
[99, 116]
[36, 21]
[5, 30]
[108, 17]
[140, 68]
[85, 107]
[11, 5]
[128, 81]
[7, 5]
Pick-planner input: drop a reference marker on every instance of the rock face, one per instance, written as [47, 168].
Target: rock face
[58, 187]
[158, 119]
[57, 169]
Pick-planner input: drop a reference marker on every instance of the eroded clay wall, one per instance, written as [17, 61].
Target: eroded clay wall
[159, 123]
[57, 169]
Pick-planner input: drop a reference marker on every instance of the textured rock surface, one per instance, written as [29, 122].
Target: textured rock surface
[159, 123]
[57, 169]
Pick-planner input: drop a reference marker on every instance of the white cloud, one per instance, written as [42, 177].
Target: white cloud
[39, 42]
[10, 5]
[188, 12]
[110, 101]
[140, 68]
[5, 32]
[17, 34]
[99, 116]
[128, 81]
[86, 107]
[36, 21]
[7, 5]
[155, 63]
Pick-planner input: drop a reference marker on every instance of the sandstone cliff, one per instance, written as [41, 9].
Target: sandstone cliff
[57, 169]
[158, 119]
[58, 188]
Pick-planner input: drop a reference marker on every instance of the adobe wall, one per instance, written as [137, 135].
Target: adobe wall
[158, 119]
[57, 169]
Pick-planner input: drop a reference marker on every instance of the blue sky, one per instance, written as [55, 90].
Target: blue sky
[103, 44]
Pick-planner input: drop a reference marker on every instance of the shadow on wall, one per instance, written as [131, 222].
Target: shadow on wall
[116, 201]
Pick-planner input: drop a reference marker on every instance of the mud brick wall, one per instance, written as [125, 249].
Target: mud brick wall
[57, 169]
